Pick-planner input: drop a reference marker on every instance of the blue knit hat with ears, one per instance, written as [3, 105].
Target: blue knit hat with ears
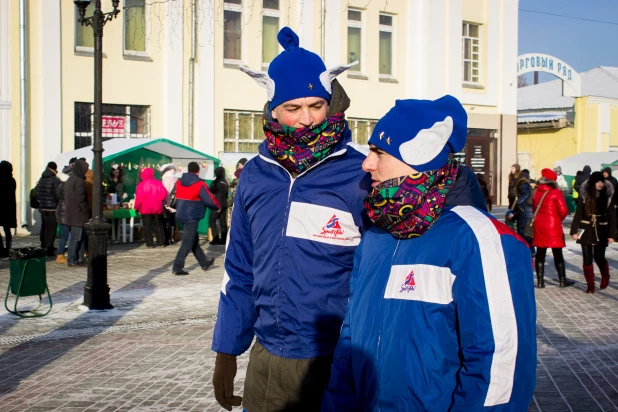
[422, 133]
[295, 72]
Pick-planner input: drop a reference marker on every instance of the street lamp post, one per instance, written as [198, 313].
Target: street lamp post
[96, 291]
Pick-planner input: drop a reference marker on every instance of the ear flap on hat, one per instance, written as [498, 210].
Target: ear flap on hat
[428, 143]
[263, 79]
[329, 75]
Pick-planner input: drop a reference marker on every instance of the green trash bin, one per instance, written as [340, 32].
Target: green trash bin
[28, 277]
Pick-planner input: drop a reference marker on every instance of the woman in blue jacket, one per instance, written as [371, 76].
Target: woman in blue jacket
[439, 316]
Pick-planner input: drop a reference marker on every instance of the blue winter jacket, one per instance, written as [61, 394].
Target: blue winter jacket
[192, 199]
[442, 322]
[290, 254]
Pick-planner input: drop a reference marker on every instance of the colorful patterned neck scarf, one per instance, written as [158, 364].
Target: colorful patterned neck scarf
[299, 149]
[407, 206]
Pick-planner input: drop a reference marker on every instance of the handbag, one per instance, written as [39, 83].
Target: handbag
[529, 229]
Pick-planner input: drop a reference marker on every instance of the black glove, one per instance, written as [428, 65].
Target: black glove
[223, 381]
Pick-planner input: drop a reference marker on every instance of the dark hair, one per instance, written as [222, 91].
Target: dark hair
[193, 167]
[73, 160]
[593, 205]
[52, 165]
[6, 169]
[120, 173]
[82, 158]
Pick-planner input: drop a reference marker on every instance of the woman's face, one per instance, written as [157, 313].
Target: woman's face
[116, 174]
[513, 170]
[600, 185]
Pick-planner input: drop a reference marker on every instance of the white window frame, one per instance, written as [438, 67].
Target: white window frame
[77, 23]
[243, 44]
[256, 117]
[480, 54]
[271, 13]
[391, 29]
[361, 25]
[146, 31]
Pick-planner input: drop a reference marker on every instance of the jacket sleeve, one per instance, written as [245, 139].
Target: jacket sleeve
[139, 197]
[579, 214]
[611, 221]
[208, 199]
[54, 191]
[236, 316]
[496, 329]
[213, 187]
[340, 393]
[82, 196]
[561, 206]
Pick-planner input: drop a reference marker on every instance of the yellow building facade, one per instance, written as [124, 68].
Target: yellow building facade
[171, 70]
[552, 127]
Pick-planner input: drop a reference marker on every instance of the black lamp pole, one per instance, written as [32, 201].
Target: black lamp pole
[96, 291]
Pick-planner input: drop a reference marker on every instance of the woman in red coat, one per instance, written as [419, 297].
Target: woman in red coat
[548, 231]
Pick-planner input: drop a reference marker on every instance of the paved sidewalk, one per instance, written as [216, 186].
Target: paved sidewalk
[152, 352]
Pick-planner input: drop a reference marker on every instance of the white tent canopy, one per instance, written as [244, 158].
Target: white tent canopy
[119, 146]
[571, 165]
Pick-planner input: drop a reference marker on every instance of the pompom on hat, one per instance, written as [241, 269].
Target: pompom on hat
[422, 133]
[549, 174]
[295, 72]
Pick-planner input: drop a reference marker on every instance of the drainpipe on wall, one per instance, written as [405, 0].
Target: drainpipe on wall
[23, 173]
[192, 71]
[323, 29]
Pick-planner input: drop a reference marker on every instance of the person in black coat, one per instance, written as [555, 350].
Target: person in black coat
[77, 212]
[523, 210]
[594, 226]
[8, 205]
[219, 188]
[581, 178]
[46, 195]
[65, 229]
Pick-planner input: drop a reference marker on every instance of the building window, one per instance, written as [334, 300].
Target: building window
[118, 121]
[386, 45]
[355, 39]
[84, 36]
[242, 131]
[135, 26]
[270, 28]
[471, 52]
[361, 129]
[232, 30]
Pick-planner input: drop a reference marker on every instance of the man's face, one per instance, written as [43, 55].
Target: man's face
[383, 166]
[605, 175]
[302, 112]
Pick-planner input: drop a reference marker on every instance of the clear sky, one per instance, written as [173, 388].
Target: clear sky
[581, 44]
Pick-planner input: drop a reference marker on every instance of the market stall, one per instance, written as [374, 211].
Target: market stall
[130, 155]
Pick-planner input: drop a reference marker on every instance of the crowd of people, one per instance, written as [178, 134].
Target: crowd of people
[541, 205]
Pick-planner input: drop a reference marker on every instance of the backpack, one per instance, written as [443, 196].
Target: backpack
[34, 201]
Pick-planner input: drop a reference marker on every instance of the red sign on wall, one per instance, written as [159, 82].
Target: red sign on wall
[113, 124]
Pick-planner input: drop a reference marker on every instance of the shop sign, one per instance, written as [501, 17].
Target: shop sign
[537, 62]
[113, 124]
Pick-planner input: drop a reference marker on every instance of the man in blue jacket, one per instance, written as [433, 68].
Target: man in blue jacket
[441, 315]
[296, 222]
[192, 199]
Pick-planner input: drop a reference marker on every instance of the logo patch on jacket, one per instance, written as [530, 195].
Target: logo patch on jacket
[432, 284]
[322, 224]
[409, 284]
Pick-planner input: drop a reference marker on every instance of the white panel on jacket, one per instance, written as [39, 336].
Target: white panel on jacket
[322, 224]
[423, 283]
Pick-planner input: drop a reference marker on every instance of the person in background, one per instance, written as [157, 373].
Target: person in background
[65, 229]
[192, 199]
[594, 226]
[150, 196]
[580, 179]
[573, 191]
[220, 188]
[523, 211]
[239, 166]
[562, 183]
[115, 182]
[77, 212]
[8, 206]
[46, 195]
[548, 233]
[483, 183]
[607, 174]
[513, 179]
[169, 179]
